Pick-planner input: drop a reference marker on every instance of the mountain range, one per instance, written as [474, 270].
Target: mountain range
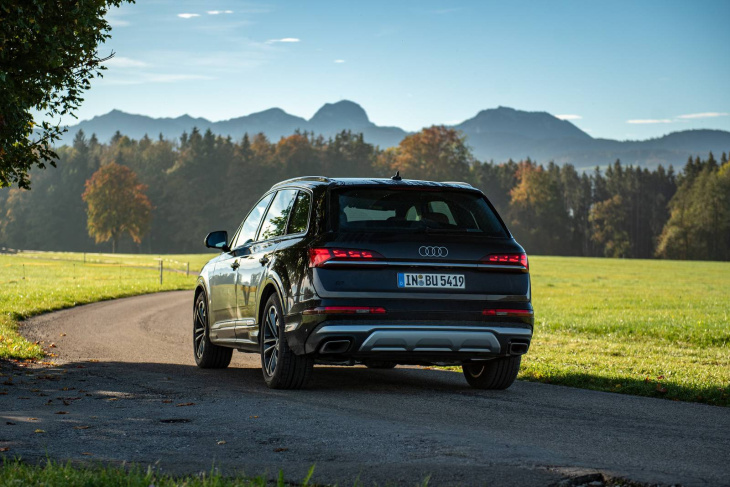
[496, 134]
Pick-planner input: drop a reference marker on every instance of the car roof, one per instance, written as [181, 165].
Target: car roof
[319, 181]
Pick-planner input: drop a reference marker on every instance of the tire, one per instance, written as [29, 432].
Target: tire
[282, 368]
[498, 373]
[207, 354]
[379, 364]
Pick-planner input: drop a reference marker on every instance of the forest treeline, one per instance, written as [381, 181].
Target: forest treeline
[205, 182]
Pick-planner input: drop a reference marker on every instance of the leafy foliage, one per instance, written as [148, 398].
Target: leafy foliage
[117, 204]
[620, 211]
[47, 59]
[699, 225]
[436, 153]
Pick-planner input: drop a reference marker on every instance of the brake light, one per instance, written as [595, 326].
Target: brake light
[507, 312]
[507, 259]
[345, 310]
[318, 256]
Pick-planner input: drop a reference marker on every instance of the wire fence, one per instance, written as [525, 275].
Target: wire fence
[102, 266]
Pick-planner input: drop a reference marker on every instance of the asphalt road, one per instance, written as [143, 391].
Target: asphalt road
[128, 388]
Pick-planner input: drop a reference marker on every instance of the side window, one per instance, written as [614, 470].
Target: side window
[278, 214]
[251, 224]
[300, 213]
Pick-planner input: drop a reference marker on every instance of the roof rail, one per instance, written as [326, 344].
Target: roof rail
[462, 183]
[322, 179]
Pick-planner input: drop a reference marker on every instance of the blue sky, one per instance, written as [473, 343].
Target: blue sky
[619, 69]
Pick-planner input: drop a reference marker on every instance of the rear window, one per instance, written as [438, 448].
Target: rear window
[367, 209]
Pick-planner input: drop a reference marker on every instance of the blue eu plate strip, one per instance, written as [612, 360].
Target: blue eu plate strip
[401, 280]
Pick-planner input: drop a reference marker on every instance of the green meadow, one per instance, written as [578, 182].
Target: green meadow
[645, 327]
[33, 283]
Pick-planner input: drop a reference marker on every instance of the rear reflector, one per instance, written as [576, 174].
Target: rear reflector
[318, 256]
[345, 310]
[507, 259]
[507, 312]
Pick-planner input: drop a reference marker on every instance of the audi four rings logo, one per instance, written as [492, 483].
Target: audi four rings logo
[433, 251]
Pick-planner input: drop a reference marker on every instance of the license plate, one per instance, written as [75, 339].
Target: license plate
[452, 281]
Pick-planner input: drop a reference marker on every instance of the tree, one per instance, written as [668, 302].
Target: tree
[436, 153]
[117, 204]
[537, 209]
[47, 58]
[609, 220]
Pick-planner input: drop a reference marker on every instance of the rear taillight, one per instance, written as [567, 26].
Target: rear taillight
[507, 312]
[319, 256]
[345, 310]
[507, 259]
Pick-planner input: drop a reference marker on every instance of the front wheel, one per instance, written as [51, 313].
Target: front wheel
[282, 368]
[207, 354]
[498, 373]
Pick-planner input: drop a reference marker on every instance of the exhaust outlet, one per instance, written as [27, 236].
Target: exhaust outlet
[335, 346]
[517, 348]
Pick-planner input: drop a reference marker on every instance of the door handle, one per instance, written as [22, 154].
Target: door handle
[264, 260]
[235, 265]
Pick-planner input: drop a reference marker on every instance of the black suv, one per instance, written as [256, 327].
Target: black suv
[377, 272]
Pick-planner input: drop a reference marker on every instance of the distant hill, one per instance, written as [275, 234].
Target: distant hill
[495, 134]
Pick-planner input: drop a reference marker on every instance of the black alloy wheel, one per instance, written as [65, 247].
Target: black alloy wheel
[207, 354]
[282, 368]
[498, 373]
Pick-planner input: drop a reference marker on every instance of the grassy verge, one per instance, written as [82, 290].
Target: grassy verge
[15, 472]
[36, 283]
[650, 328]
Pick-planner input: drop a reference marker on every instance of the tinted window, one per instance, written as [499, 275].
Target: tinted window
[367, 209]
[251, 224]
[300, 213]
[278, 215]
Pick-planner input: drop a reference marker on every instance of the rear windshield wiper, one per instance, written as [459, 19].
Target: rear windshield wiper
[450, 230]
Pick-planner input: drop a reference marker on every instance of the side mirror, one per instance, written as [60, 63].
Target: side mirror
[218, 240]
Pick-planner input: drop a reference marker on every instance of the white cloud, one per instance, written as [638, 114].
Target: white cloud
[113, 17]
[117, 22]
[650, 120]
[143, 78]
[218, 12]
[569, 117]
[285, 39]
[704, 115]
[188, 16]
[339, 61]
[172, 78]
[125, 62]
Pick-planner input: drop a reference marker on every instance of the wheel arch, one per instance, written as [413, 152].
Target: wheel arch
[271, 287]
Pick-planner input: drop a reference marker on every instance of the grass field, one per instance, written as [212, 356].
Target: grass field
[644, 327]
[15, 472]
[651, 328]
[35, 283]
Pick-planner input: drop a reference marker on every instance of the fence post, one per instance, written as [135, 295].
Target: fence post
[187, 273]
[84, 257]
[160, 272]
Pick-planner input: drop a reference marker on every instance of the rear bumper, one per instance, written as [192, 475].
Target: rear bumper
[415, 342]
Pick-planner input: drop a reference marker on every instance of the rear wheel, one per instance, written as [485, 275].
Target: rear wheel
[282, 368]
[498, 373]
[207, 354]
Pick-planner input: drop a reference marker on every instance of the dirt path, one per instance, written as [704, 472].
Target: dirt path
[129, 390]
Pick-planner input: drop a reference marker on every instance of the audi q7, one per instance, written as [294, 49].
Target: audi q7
[378, 272]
